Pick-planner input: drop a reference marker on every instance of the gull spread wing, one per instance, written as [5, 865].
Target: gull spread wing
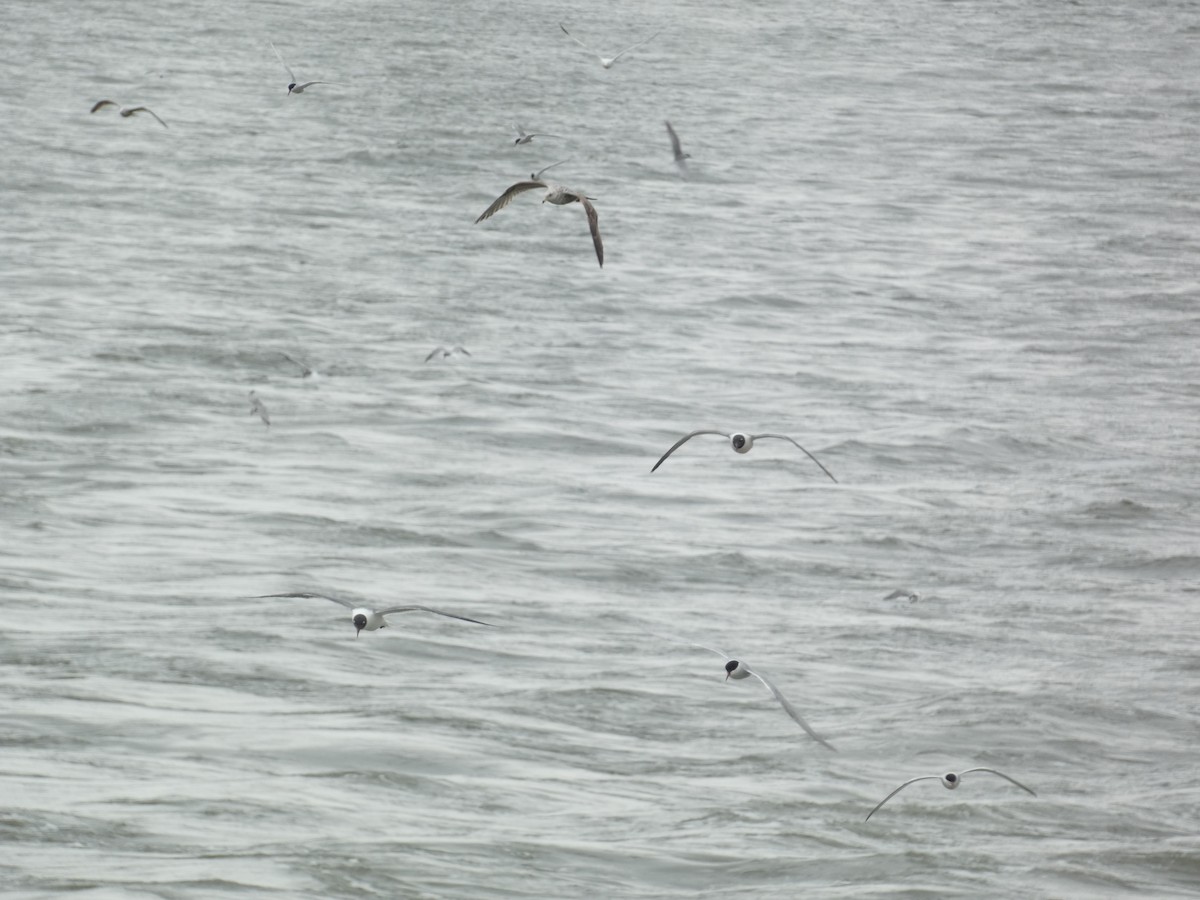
[400, 609]
[303, 368]
[145, 109]
[791, 710]
[281, 62]
[634, 46]
[1001, 774]
[683, 440]
[899, 789]
[338, 600]
[102, 104]
[434, 352]
[461, 349]
[676, 147]
[784, 437]
[537, 176]
[311, 83]
[594, 225]
[506, 198]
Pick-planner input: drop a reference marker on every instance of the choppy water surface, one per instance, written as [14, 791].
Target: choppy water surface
[948, 247]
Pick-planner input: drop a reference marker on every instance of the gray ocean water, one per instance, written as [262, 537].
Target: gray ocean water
[949, 247]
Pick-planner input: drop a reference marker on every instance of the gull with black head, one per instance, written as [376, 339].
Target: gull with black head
[739, 669]
[364, 618]
[523, 138]
[740, 442]
[950, 781]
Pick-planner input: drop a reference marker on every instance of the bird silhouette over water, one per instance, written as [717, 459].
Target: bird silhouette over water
[740, 442]
[364, 618]
[559, 196]
[950, 781]
[127, 112]
[294, 87]
[606, 61]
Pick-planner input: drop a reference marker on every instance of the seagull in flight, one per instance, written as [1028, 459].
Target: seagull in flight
[738, 669]
[903, 594]
[305, 371]
[365, 618]
[950, 781]
[559, 196]
[257, 406]
[126, 113]
[604, 60]
[677, 149]
[523, 138]
[537, 176]
[457, 348]
[294, 87]
[741, 443]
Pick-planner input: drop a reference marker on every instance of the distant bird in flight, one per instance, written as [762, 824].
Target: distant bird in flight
[259, 408]
[305, 371]
[903, 594]
[537, 176]
[364, 618]
[523, 138]
[677, 149]
[126, 113]
[559, 196]
[295, 88]
[604, 60]
[738, 669]
[457, 348]
[740, 442]
[950, 781]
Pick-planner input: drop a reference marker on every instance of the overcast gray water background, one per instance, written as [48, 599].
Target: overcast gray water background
[949, 247]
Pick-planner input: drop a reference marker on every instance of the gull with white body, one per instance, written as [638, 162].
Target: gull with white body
[523, 138]
[364, 618]
[738, 669]
[605, 61]
[950, 781]
[740, 442]
[294, 87]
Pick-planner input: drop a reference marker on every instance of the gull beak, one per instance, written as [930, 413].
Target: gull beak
[726, 676]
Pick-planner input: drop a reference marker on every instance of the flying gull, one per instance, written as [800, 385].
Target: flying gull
[741, 443]
[537, 176]
[523, 138]
[257, 406]
[127, 112]
[367, 619]
[950, 781]
[604, 60]
[295, 88]
[738, 669]
[444, 351]
[559, 196]
[677, 149]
